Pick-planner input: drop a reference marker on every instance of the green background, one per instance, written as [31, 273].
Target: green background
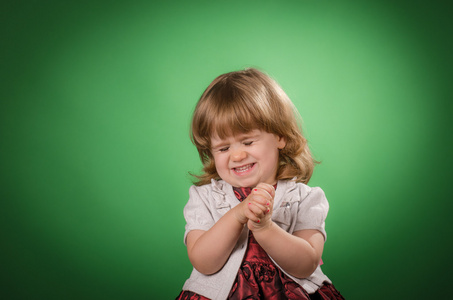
[96, 99]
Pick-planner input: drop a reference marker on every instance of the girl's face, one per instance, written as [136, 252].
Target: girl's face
[247, 159]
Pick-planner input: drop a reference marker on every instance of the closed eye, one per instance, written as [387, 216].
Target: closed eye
[224, 149]
[248, 143]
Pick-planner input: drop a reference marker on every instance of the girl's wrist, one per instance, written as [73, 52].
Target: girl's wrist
[261, 229]
[239, 216]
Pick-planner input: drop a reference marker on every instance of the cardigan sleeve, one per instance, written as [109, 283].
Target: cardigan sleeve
[312, 211]
[197, 211]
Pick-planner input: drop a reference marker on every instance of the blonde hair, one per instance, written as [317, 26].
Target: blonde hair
[239, 102]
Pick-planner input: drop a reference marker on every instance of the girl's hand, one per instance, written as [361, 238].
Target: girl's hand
[255, 205]
[260, 204]
[242, 213]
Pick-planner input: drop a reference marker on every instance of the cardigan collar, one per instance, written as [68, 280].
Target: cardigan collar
[223, 193]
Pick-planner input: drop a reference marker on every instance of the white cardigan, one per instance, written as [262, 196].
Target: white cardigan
[296, 207]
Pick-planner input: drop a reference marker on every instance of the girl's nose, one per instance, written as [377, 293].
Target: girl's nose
[238, 155]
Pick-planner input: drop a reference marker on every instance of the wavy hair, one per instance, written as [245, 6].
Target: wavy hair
[239, 102]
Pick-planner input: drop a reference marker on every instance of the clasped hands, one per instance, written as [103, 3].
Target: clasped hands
[256, 209]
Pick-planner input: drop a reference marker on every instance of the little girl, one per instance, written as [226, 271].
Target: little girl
[254, 229]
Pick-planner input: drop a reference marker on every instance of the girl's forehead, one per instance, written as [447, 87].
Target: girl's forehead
[234, 136]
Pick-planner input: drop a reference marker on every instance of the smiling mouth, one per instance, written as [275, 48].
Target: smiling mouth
[243, 169]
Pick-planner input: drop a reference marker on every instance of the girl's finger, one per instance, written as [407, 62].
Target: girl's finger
[251, 216]
[261, 196]
[268, 188]
[258, 209]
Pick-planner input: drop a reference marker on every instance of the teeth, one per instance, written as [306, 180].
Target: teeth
[243, 168]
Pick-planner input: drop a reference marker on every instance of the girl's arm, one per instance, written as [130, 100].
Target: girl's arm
[209, 250]
[298, 253]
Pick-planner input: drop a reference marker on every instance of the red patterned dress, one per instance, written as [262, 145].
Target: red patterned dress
[259, 278]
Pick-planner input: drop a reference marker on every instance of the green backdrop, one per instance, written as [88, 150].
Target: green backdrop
[96, 98]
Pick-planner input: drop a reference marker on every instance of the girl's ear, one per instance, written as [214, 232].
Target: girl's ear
[281, 142]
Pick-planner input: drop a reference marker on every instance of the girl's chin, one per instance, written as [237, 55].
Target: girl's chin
[245, 183]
